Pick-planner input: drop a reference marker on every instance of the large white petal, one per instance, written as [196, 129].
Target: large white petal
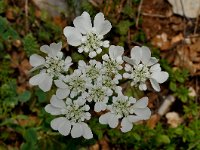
[133, 118]
[60, 84]
[68, 62]
[62, 93]
[113, 121]
[101, 25]
[46, 84]
[36, 60]
[55, 47]
[55, 123]
[52, 110]
[141, 103]
[152, 61]
[144, 113]
[130, 61]
[136, 54]
[73, 36]
[126, 125]
[146, 54]
[103, 119]
[37, 79]
[57, 102]
[83, 23]
[99, 106]
[160, 77]
[87, 133]
[155, 68]
[65, 127]
[155, 85]
[77, 130]
[45, 49]
[115, 51]
[143, 87]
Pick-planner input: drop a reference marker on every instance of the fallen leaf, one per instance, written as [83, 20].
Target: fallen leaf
[151, 123]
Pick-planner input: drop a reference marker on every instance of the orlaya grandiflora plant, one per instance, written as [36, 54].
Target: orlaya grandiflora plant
[95, 82]
[143, 67]
[51, 67]
[88, 37]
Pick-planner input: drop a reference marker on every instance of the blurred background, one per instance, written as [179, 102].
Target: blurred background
[171, 28]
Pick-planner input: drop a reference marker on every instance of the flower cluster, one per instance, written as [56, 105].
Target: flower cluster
[95, 83]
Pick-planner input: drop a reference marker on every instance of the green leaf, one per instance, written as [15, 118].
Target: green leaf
[163, 139]
[123, 27]
[2, 6]
[172, 86]
[30, 44]
[6, 31]
[76, 57]
[25, 96]
[41, 95]
[30, 135]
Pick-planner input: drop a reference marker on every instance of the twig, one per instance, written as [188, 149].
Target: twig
[154, 15]
[166, 105]
[26, 16]
[196, 23]
[138, 15]
[136, 43]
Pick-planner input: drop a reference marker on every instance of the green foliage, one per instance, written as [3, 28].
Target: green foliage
[41, 95]
[30, 44]
[2, 6]
[25, 96]
[177, 78]
[30, 136]
[6, 31]
[140, 37]
[123, 27]
[8, 96]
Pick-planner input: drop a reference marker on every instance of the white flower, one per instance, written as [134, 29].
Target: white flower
[98, 94]
[127, 109]
[109, 83]
[73, 84]
[112, 62]
[92, 71]
[51, 67]
[75, 112]
[144, 67]
[86, 36]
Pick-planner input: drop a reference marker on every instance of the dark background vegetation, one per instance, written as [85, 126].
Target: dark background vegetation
[24, 28]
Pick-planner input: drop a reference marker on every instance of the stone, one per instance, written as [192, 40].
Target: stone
[187, 8]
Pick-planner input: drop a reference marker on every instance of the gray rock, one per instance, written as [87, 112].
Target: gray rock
[188, 8]
[53, 7]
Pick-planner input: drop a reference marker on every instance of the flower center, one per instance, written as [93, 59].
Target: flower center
[54, 66]
[97, 94]
[91, 41]
[77, 83]
[111, 67]
[75, 113]
[92, 72]
[121, 108]
[108, 83]
[140, 74]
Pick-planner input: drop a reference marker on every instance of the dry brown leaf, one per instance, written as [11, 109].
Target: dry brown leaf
[94, 147]
[177, 38]
[188, 56]
[151, 123]
[10, 14]
[161, 41]
[32, 120]
[173, 119]
[104, 144]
